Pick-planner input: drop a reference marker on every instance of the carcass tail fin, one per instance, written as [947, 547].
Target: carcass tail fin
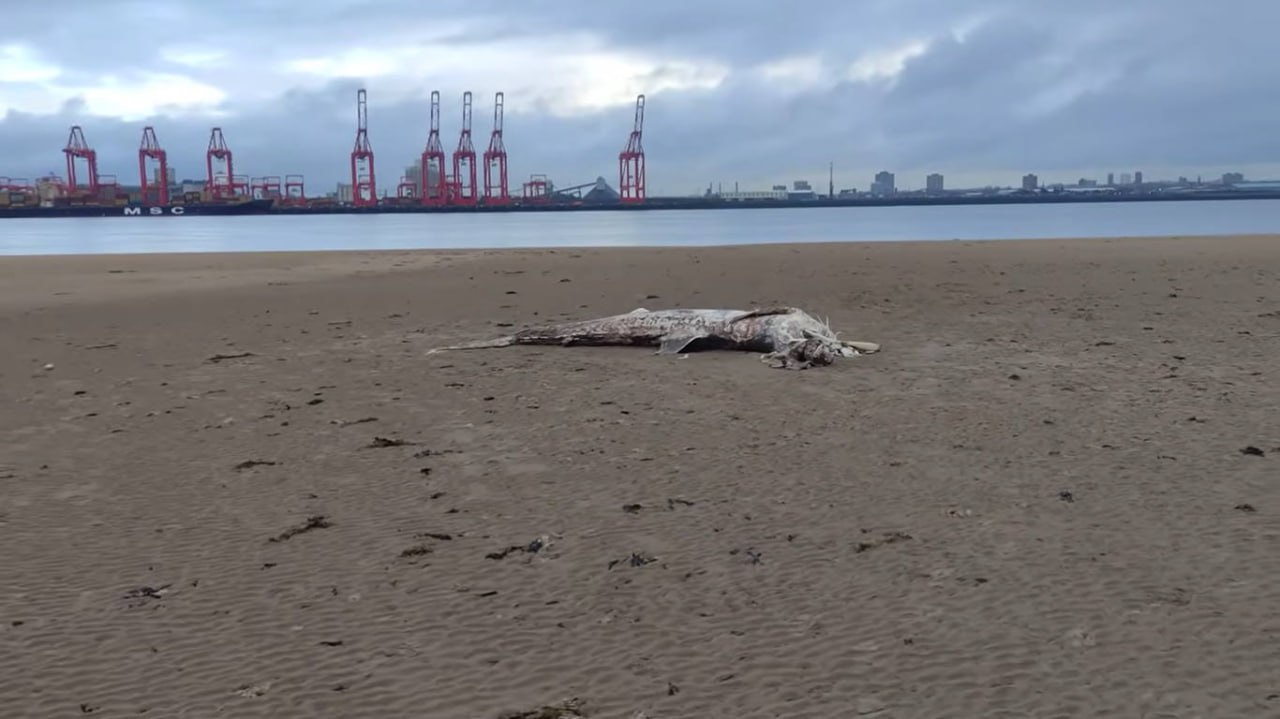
[481, 344]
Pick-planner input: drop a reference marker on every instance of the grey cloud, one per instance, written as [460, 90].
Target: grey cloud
[1175, 84]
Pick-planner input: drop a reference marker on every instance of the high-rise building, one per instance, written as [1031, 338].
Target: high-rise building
[1126, 178]
[1030, 182]
[884, 184]
[1111, 178]
[1231, 178]
[933, 183]
[1137, 177]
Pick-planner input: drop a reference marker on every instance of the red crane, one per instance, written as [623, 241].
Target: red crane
[78, 148]
[221, 179]
[159, 186]
[465, 154]
[364, 189]
[295, 192]
[495, 158]
[435, 191]
[631, 161]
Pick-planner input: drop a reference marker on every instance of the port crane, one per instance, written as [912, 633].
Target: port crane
[631, 186]
[78, 149]
[495, 161]
[435, 189]
[464, 159]
[364, 192]
[157, 189]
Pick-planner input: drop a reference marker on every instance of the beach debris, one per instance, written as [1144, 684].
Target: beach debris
[1253, 451]
[379, 442]
[251, 463]
[107, 346]
[672, 502]
[223, 357]
[1246, 508]
[573, 708]
[788, 337]
[637, 559]
[886, 538]
[632, 508]
[251, 691]
[1066, 496]
[533, 547]
[349, 422]
[315, 521]
[417, 551]
[148, 592]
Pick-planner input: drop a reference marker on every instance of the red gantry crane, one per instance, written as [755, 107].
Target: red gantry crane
[631, 161]
[295, 192]
[435, 190]
[465, 155]
[364, 189]
[495, 161]
[221, 182]
[153, 189]
[78, 148]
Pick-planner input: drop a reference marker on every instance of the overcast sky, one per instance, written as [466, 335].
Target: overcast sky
[747, 91]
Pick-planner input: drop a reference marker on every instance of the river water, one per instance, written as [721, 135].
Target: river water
[648, 228]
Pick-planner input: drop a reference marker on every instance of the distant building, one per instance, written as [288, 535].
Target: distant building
[1231, 178]
[1030, 182]
[1126, 178]
[1111, 178]
[933, 183]
[1086, 182]
[802, 186]
[344, 193]
[1137, 177]
[884, 183]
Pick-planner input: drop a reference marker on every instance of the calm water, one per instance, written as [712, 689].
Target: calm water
[583, 229]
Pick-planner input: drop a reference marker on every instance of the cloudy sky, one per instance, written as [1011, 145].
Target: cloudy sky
[737, 91]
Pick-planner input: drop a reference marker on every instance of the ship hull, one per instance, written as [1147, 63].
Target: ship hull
[250, 207]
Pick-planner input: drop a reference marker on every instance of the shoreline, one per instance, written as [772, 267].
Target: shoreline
[804, 244]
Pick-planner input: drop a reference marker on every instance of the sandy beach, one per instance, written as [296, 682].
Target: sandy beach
[235, 485]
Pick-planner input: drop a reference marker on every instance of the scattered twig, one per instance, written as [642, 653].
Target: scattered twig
[887, 538]
[637, 559]
[568, 709]
[220, 357]
[315, 521]
[250, 463]
[531, 548]
[349, 422]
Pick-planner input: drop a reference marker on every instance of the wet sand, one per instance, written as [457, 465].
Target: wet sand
[234, 485]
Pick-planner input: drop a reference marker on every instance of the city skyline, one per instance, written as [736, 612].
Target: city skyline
[982, 94]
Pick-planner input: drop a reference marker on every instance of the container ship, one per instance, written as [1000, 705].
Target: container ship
[235, 207]
[52, 200]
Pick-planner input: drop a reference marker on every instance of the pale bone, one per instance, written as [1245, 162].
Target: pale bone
[788, 336]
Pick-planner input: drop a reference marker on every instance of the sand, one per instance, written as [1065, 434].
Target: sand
[242, 490]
